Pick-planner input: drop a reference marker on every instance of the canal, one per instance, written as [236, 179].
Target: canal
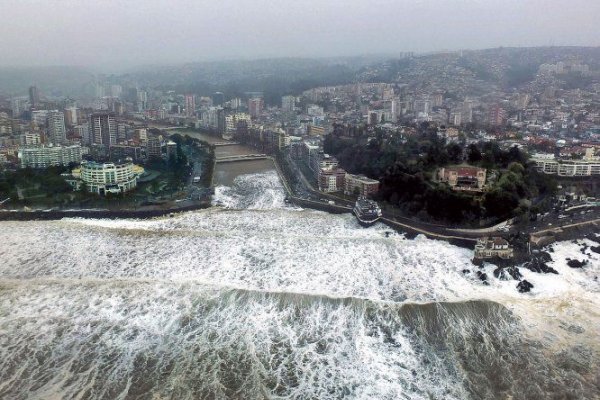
[226, 173]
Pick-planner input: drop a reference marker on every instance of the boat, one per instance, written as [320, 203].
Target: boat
[366, 211]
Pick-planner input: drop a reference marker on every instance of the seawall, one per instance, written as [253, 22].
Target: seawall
[109, 214]
[567, 232]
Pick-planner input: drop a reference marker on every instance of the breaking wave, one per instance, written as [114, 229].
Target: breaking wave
[262, 191]
[258, 300]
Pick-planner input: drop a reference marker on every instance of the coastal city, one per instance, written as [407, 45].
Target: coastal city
[506, 148]
[307, 200]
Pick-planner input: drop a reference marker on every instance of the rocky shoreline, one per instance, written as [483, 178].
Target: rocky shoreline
[536, 259]
[532, 257]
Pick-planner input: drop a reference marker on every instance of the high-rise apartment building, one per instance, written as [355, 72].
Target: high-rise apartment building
[34, 97]
[213, 115]
[496, 116]
[255, 106]
[140, 135]
[456, 118]
[288, 103]
[467, 111]
[232, 121]
[122, 132]
[57, 133]
[71, 116]
[235, 103]
[394, 110]
[142, 100]
[190, 104]
[6, 124]
[17, 107]
[103, 128]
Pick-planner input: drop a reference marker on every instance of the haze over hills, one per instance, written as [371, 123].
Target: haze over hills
[506, 67]
[56, 80]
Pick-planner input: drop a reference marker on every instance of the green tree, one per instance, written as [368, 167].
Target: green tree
[499, 203]
[455, 153]
[516, 168]
[473, 154]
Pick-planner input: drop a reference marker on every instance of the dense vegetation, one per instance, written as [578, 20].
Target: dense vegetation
[406, 168]
[200, 151]
[39, 183]
[274, 78]
[176, 168]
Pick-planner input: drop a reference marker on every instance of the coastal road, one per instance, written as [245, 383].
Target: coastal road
[445, 232]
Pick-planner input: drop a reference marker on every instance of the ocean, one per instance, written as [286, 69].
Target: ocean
[257, 299]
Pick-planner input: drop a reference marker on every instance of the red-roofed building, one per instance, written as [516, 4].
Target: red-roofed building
[463, 178]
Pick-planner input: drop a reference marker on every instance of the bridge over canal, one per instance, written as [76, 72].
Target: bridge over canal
[241, 157]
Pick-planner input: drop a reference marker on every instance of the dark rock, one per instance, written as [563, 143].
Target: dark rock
[482, 277]
[514, 272]
[500, 274]
[466, 271]
[506, 274]
[539, 266]
[544, 256]
[593, 238]
[524, 286]
[576, 263]
[595, 249]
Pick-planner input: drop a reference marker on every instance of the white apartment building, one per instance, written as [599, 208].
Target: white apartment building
[232, 120]
[103, 128]
[288, 103]
[57, 133]
[588, 166]
[71, 116]
[39, 117]
[47, 156]
[31, 139]
[103, 178]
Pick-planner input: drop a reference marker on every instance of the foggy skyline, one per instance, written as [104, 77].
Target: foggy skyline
[116, 35]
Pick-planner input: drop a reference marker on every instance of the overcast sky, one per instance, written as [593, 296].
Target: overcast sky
[115, 34]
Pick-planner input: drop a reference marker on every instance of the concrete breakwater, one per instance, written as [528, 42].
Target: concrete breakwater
[567, 232]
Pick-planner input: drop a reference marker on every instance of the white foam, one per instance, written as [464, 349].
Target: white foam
[129, 284]
[260, 191]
